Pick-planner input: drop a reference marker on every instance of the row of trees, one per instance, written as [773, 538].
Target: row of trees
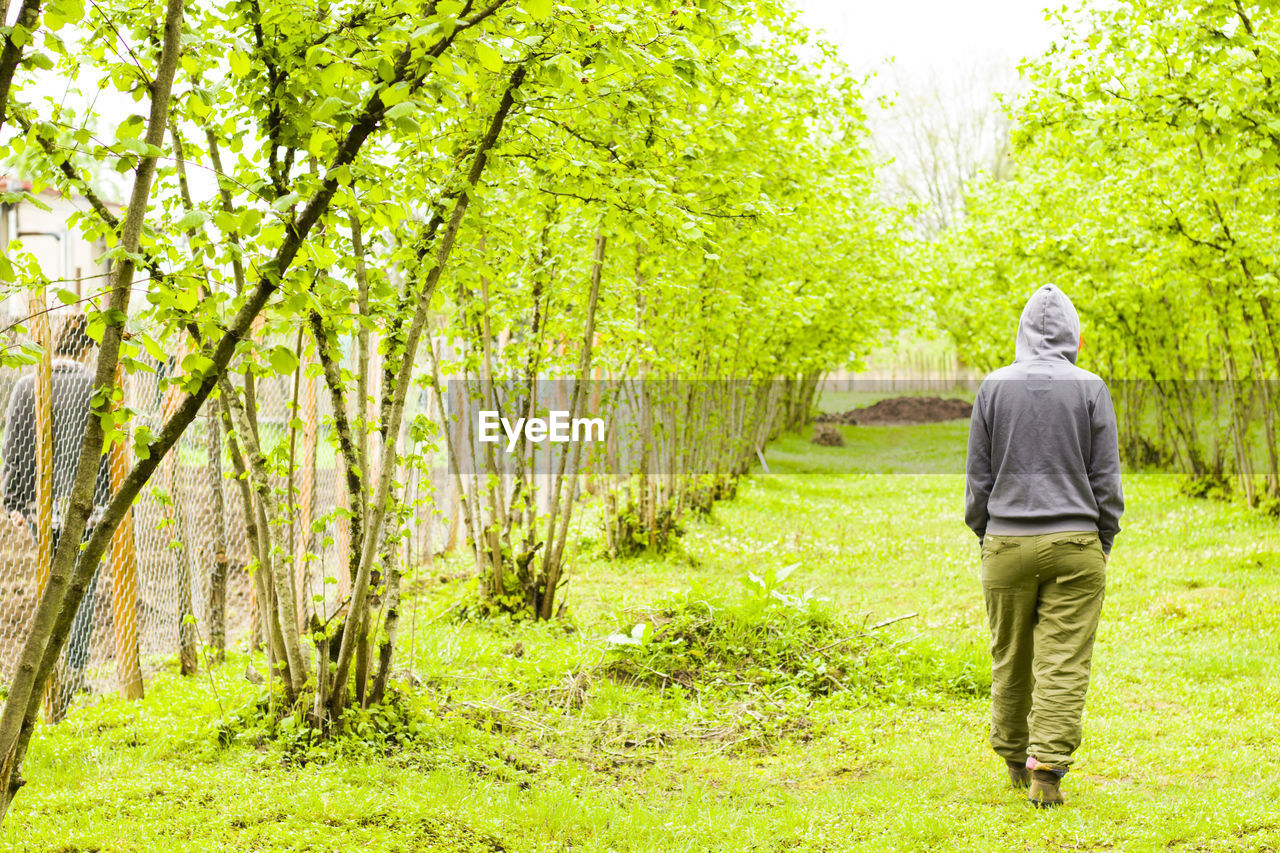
[1145, 183]
[408, 196]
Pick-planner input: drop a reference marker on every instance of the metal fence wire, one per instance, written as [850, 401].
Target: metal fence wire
[159, 567]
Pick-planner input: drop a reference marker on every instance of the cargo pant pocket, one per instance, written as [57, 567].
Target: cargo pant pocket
[1001, 562]
[992, 545]
[1080, 557]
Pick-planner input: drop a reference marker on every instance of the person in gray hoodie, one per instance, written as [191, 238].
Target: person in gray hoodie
[1043, 495]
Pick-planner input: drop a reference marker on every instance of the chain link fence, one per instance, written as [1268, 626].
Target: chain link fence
[153, 598]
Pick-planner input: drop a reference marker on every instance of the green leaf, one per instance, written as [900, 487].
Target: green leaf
[187, 299]
[153, 348]
[141, 439]
[131, 127]
[283, 360]
[316, 146]
[396, 94]
[488, 57]
[401, 110]
[192, 220]
[239, 64]
[538, 9]
[196, 365]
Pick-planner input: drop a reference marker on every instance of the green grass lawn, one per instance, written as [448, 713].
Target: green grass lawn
[520, 741]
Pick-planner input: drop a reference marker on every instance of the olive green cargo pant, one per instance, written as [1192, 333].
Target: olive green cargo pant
[1044, 596]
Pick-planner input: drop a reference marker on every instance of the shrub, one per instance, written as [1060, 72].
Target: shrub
[765, 639]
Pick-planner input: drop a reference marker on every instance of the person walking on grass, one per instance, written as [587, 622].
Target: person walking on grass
[1043, 495]
[71, 394]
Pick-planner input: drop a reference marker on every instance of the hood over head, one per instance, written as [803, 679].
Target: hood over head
[1049, 327]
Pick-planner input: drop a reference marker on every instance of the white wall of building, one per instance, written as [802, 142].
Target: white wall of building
[67, 259]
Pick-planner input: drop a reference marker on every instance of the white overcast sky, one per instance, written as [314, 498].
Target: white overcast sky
[940, 63]
[924, 37]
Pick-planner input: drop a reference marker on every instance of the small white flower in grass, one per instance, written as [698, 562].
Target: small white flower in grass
[637, 636]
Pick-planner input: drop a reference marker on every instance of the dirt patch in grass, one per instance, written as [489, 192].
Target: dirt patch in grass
[826, 435]
[902, 410]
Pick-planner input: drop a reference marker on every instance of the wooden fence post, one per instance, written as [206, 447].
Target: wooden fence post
[343, 530]
[187, 641]
[124, 581]
[306, 500]
[44, 458]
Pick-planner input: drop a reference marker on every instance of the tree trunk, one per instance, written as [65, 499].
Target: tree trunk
[554, 553]
[276, 568]
[399, 390]
[11, 58]
[218, 575]
[72, 567]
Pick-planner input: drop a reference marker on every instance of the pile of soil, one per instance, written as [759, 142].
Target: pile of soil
[826, 435]
[902, 410]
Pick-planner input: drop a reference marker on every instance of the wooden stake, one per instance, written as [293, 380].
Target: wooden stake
[44, 459]
[124, 582]
[306, 499]
[187, 652]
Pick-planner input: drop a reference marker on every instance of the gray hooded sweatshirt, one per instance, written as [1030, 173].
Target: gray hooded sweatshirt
[1043, 451]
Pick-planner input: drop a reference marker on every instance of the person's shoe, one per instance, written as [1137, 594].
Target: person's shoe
[1044, 792]
[1019, 775]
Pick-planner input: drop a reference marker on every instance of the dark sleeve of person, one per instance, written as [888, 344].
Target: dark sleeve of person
[18, 453]
[979, 477]
[1104, 469]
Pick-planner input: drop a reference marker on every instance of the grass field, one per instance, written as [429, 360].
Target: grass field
[518, 739]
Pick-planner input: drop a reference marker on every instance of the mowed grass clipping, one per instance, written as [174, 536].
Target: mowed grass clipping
[527, 738]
